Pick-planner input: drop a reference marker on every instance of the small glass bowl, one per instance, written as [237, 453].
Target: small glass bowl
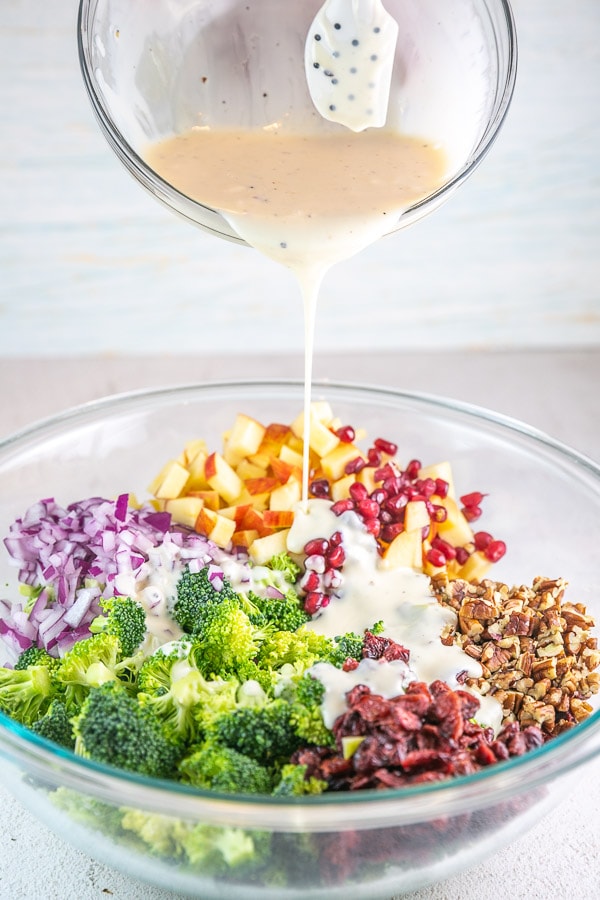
[156, 69]
[544, 500]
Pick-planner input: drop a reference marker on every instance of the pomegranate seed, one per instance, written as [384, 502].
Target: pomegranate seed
[481, 539]
[396, 503]
[436, 557]
[426, 486]
[310, 582]
[373, 526]
[473, 499]
[471, 512]
[336, 557]
[389, 532]
[439, 513]
[444, 547]
[462, 555]
[441, 487]
[385, 517]
[384, 472]
[319, 546]
[332, 578]
[346, 434]
[316, 563]
[378, 495]
[358, 491]
[413, 468]
[369, 509]
[374, 457]
[495, 550]
[335, 539]
[341, 506]
[386, 446]
[314, 601]
[320, 488]
[355, 465]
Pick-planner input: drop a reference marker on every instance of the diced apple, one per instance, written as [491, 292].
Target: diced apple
[475, 567]
[340, 489]
[416, 516]
[210, 498]
[292, 457]
[320, 412]
[261, 485]
[197, 479]
[366, 476]
[236, 513]
[222, 478]
[254, 519]
[278, 518]
[286, 496]
[192, 449]
[170, 482]
[184, 510]
[244, 439]
[334, 463]
[244, 538]
[246, 469]
[216, 527]
[456, 529]
[263, 549]
[405, 551]
[321, 439]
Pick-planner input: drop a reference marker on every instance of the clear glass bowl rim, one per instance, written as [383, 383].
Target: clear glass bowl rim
[342, 811]
[179, 201]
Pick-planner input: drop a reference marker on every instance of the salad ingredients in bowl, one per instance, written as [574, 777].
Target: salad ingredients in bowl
[251, 656]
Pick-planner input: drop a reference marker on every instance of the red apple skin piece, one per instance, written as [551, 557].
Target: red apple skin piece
[261, 485]
[278, 518]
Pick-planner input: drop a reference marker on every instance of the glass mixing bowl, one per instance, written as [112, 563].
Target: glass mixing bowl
[156, 69]
[544, 499]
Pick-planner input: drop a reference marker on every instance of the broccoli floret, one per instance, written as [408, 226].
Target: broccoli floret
[348, 646]
[301, 646]
[306, 716]
[37, 656]
[90, 663]
[195, 591]
[163, 835]
[283, 562]
[216, 850]
[25, 694]
[126, 619]
[114, 728]
[264, 733]
[282, 613]
[56, 725]
[213, 766]
[294, 783]
[155, 671]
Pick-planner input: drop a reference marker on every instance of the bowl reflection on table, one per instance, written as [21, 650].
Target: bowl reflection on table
[155, 70]
[544, 499]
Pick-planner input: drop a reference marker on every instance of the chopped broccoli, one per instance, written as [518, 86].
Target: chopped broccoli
[114, 728]
[126, 619]
[282, 613]
[195, 591]
[264, 733]
[294, 783]
[155, 671]
[283, 562]
[306, 716]
[26, 694]
[213, 766]
[300, 646]
[56, 725]
[218, 849]
[163, 835]
[348, 646]
[90, 663]
[176, 707]
[37, 656]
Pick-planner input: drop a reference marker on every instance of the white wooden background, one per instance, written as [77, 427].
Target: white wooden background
[89, 264]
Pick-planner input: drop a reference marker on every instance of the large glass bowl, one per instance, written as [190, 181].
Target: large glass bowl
[156, 69]
[544, 500]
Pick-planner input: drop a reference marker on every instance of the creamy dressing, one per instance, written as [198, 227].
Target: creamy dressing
[401, 598]
[388, 679]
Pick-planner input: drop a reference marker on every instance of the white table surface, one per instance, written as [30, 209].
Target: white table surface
[555, 391]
